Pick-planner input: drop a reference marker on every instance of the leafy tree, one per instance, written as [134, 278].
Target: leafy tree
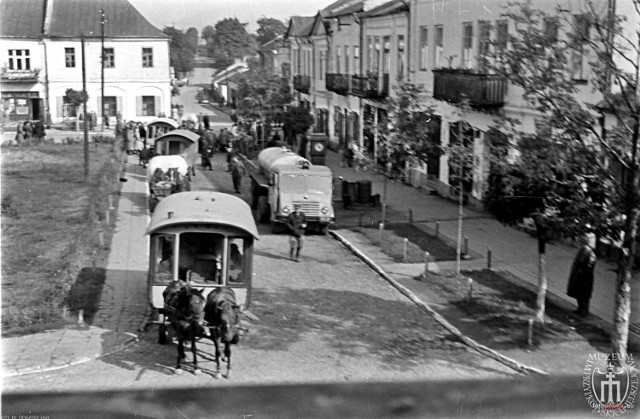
[231, 40]
[76, 97]
[208, 33]
[263, 96]
[572, 172]
[296, 120]
[192, 39]
[182, 57]
[269, 29]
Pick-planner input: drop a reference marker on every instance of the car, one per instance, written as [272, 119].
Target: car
[203, 101]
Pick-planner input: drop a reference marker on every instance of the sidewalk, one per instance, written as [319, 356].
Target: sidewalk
[513, 251]
[120, 312]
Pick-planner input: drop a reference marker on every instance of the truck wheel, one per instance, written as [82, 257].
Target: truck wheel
[276, 228]
[324, 229]
[162, 334]
[263, 210]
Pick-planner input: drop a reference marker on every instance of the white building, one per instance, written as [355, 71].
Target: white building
[137, 82]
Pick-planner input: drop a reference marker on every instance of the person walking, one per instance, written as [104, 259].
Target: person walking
[237, 171]
[20, 133]
[296, 223]
[39, 132]
[28, 132]
[581, 277]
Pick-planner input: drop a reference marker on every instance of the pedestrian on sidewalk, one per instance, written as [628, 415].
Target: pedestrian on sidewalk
[297, 223]
[581, 278]
[237, 171]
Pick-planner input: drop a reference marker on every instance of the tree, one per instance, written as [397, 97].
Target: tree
[269, 29]
[231, 40]
[76, 97]
[263, 96]
[192, 39]
[585, 173]
[296, 120]
[208, 33]
[182, 57]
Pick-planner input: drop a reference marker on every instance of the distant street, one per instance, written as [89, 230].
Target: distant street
[200, 78]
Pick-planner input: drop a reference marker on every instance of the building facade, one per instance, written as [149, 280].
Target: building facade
[366, 48]
[135, 81]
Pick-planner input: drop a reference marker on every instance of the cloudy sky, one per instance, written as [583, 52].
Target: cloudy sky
[184, 14]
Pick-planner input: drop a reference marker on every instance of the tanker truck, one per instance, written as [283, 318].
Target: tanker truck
[282, 179]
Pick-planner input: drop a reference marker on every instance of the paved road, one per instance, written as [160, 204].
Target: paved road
[329, 318]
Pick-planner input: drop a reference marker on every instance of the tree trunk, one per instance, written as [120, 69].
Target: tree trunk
[622, 313]
[542, 277]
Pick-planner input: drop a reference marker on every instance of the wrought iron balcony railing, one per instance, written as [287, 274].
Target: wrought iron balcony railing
[370, 86]
[338, 83]
[19, 76]
[482, 90]
[302, 83]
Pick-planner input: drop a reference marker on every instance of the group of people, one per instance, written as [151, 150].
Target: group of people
[26, 132]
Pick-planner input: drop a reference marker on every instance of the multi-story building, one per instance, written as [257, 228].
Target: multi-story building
[43, 58]
[368, 46]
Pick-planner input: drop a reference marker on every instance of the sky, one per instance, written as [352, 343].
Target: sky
[184, 14]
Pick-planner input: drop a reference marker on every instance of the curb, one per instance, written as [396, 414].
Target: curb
[484, 350]
[130, 341]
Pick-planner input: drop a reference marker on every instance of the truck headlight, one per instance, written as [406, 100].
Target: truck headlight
[324, 210]
[286, 210]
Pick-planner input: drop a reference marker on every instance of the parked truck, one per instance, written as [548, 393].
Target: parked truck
[283, 179]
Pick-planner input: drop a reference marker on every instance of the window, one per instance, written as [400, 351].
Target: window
[148, 106]
[483, 45]
[237, 261]
[19, 59]
[346, 60]
[356, 59]
[439, 43]
[370, 54]
[579, 53]
[376, 55]
[401, 65]
[551, 29]
[70, 57]
[338, 54]
[147, 57]
[502, 34]
[109, 58]
[467, 44]
[323, 64]
[424, 47]
[386, 55]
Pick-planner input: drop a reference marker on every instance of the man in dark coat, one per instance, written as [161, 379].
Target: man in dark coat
[297, 223]
[581, 277]
[39, 132]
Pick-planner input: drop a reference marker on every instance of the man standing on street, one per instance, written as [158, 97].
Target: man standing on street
[237, 171]
[297, 223]
[581, 277]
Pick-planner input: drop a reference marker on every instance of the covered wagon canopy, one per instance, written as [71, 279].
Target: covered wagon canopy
[203, 207]
[181, 133]
[164, 121]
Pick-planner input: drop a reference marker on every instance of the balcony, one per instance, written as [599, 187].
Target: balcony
[302, 83]
[338, 83]
[482, 90]
[370, 86]
[19, 76]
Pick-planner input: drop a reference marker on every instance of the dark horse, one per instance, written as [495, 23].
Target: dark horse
[184, 306]
[222, 315]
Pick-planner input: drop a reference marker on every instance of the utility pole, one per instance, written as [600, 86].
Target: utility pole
[84, 110]
[102, 22]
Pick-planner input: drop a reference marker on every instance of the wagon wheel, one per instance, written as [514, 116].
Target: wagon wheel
[163, 335]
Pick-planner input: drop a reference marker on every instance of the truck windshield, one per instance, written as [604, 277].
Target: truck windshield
[293, 183]
[319, 184]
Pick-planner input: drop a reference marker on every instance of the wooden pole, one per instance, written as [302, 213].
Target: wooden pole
[84, 105]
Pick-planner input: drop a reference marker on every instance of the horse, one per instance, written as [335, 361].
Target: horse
[184, 306]
[222, 316]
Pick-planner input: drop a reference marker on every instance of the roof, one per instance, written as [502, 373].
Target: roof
[161, 121]
[300, 26]
[182, 133]
[70, 17]
[343, 7]
[390, 7]
[203, 207]
[21, 18]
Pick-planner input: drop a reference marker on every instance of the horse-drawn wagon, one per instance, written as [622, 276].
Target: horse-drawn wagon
[179, 142]
[167, 175]
[201, 244]
[161, 126]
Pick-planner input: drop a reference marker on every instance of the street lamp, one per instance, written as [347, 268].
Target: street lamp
[102, 22]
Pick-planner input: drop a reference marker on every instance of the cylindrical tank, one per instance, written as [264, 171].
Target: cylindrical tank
[272, 157]
[364, 191]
